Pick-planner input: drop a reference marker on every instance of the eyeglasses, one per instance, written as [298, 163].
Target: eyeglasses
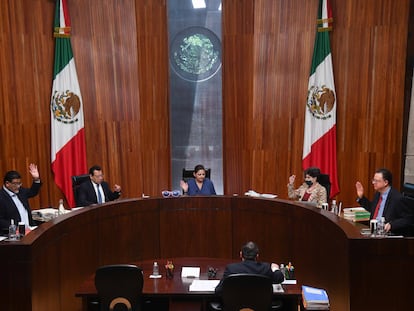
[167, 194]
[15, 183]
[374, 181]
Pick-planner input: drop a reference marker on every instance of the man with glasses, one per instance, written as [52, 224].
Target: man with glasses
[14, 199]
[387, 203]
[96, 191]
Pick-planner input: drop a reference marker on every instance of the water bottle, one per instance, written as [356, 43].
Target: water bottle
[381, 226]
[61, 208]
[283, 270]
[155, 269]
[334, 208]
[12, 231]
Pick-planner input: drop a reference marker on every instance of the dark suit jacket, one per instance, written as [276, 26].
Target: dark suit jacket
[87, 195]
[396, 211]
[8, 210]
[252, 267]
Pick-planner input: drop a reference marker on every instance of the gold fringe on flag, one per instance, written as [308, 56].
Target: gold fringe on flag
[322, 21]
[62, 32]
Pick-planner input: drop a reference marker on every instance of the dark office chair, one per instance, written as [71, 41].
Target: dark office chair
[408, 201]
[408, 190]
[119, 287]
[324, 180]
[187, 174]
[76, 181]
[240, 291]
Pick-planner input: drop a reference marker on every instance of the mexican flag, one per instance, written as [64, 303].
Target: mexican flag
[319, 146]
[67, 125]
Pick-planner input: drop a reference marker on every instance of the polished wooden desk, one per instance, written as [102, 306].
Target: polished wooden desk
[43, 271]
[176, 290]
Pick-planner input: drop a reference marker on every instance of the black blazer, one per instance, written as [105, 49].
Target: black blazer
[8, 210]
[252, 267]
[87, 195]
[396, 211]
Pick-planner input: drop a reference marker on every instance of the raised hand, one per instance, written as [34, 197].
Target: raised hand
[34, 171]
[117, 188]
[184, 185]
[359, 189]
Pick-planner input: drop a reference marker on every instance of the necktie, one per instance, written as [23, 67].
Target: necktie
[377, 207]
[99, 194]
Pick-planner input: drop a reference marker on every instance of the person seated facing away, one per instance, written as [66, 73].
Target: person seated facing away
[388, 202]
[249, 264]
[14, 203]
[199, 185]
[310, 190]
[96, 191]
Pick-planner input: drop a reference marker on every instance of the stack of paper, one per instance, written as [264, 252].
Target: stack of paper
[314, 298]
[46, 214]
[190, 272]
[203, 285]
[356, 214]
[252, 193]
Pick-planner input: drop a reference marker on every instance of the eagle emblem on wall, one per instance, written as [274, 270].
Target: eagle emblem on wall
[321, 101]
[65, 106]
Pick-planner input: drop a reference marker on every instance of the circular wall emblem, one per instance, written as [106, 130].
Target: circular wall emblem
[321, 101]
[195, 54]
[65, 106]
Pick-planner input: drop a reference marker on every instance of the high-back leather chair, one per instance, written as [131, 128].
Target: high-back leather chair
[408, 190]
[187, 174]
[119, 287]
[324, 180]
[243, 290]
[76, 181]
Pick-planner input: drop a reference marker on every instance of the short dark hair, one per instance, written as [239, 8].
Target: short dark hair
[312, 171]
[199, 167]
[386, 174]
[10, 175]
[94, 168]
[250, 251]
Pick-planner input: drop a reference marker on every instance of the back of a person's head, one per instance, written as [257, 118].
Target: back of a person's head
[10, 175]
[250, 251]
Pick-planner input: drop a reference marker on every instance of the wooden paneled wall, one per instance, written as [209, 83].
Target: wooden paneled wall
[121, 53]
[268, 48]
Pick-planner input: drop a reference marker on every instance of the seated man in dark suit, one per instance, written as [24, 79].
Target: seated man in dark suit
[388, 203]
[14, 199]
[96, 191]
[249, 264]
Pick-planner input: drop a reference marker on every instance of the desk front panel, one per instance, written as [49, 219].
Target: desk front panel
[59, 255]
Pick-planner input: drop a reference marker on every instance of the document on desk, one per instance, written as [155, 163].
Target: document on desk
[190, 272]
[289, 282]
[203, 285]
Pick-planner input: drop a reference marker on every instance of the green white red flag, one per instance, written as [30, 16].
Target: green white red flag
[68, 152]
[319, 147]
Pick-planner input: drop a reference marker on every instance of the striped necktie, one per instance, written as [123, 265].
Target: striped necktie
[99, 194]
